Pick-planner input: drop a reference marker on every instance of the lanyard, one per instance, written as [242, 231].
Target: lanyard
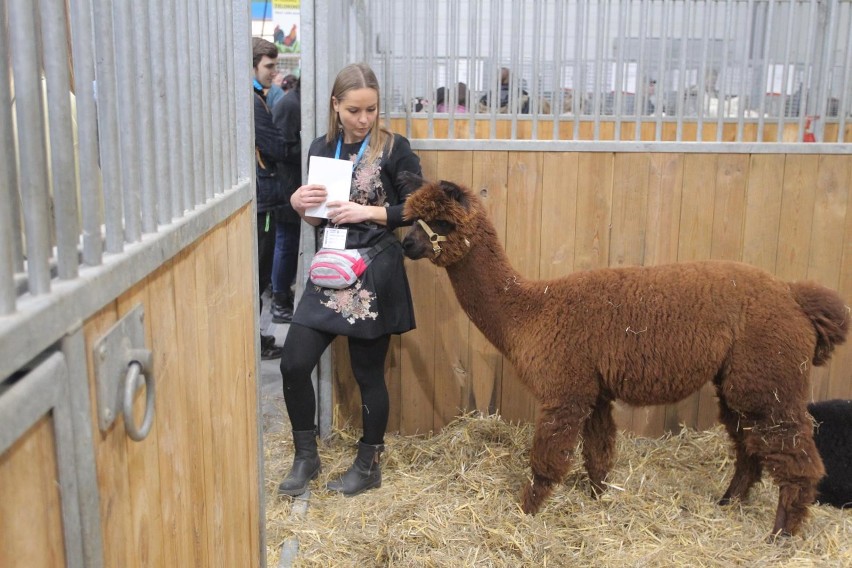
[360, 152]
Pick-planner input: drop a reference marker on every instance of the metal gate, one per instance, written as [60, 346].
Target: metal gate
[126, 162]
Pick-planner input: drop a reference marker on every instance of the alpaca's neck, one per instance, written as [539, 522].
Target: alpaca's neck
[488, 288]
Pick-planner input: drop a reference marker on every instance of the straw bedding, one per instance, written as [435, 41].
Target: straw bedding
[451, 499]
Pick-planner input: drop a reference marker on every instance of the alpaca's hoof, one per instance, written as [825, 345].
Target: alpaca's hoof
[724, 501]
[530, 501]
[597, 490]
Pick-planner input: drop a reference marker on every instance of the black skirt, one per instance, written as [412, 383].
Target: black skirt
[379, 303]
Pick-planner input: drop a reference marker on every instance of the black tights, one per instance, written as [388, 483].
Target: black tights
[302, 350]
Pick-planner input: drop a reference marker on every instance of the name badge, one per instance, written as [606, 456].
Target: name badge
[334, 238]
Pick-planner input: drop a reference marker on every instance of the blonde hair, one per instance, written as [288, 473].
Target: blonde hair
[358, 76]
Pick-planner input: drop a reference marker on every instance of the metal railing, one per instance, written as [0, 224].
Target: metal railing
[640, 70]
[126, 132]
[117, 120]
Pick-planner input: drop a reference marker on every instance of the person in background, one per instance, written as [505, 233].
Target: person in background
[441, 102]
[377, 306]
[287, 117]
[270, 148]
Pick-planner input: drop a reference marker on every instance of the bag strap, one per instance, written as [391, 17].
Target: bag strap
[384, 243]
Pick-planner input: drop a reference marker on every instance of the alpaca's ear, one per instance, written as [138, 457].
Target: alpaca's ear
[455, 192]
[410, 181]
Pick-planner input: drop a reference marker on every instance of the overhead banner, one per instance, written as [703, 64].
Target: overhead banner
[285, 14]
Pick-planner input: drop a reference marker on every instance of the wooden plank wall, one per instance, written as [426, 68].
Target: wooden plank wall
[188, 494]
[607, 128]
[31, 502]
[561, 212]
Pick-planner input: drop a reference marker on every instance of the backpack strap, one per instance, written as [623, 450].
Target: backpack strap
[383, 243]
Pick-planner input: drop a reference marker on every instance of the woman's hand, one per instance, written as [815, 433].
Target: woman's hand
[307, 196]
[342, 212]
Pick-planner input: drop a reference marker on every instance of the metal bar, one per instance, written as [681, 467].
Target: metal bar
[578, 79]
[558, 77]
[65, 461]
[516, 79]
[782, 108]
[472, 65]
[131, 173]
[535, 91]
[230, 160]
[33, 173]
[662, 83]
[231, 168]
[829, 14]
[27, 400]
[764, 62]
[196, 112]
[431, 11]
[806, 100]
[681, 84]
[845, 86]
[217, 114]
[10, 238]
[495, 23]
[619, 73]
[186, 112]
[162, 123]
[54, 38]
[600, 30]
[452, 67]
[641, 72]
[173, 208]
[145, 117]
[723, 72]
[74, 349]
[82, 38]
[203, 112]
[709, 22]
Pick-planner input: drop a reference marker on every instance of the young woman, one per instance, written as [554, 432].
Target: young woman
[371, 310]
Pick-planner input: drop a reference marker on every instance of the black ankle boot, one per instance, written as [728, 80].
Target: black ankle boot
[306, 464]
[365, 473]
[282, 308]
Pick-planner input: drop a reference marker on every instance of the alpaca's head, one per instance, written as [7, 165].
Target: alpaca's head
[445, 218]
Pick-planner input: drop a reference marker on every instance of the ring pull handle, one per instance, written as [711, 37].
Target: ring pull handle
[140, 365]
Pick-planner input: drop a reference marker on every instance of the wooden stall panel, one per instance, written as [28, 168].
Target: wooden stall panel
[694, 243]
[453, 387]
[763, 210]
[490, 177]
[417, 359]
[839, 384]
[188, 494]
[31, 513]
[628, 225]
[665, 188]
[831, 202]
[143, 457]
[523, 217]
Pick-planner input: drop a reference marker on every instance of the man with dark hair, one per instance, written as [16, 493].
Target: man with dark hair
[270, 148]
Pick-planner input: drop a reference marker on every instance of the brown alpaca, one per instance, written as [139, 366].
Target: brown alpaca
[644, 335]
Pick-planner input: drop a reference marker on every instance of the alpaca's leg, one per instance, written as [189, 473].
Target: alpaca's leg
[747, 469]
[599, 444]
[788, 453]
[555, 438]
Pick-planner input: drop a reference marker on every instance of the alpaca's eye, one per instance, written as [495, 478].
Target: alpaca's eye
[442, 227]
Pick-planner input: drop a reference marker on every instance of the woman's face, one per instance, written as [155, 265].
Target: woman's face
[358, 110]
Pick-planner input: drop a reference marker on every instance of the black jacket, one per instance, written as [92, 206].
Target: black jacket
[287, 117]
[270, 148]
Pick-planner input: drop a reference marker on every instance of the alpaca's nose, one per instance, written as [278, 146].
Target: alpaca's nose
[409, 248]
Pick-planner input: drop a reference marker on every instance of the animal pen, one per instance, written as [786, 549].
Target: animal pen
[127, 228]
[633, 133]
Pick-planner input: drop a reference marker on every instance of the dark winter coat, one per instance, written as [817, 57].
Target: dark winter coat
[270, 149]
[287, 117]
